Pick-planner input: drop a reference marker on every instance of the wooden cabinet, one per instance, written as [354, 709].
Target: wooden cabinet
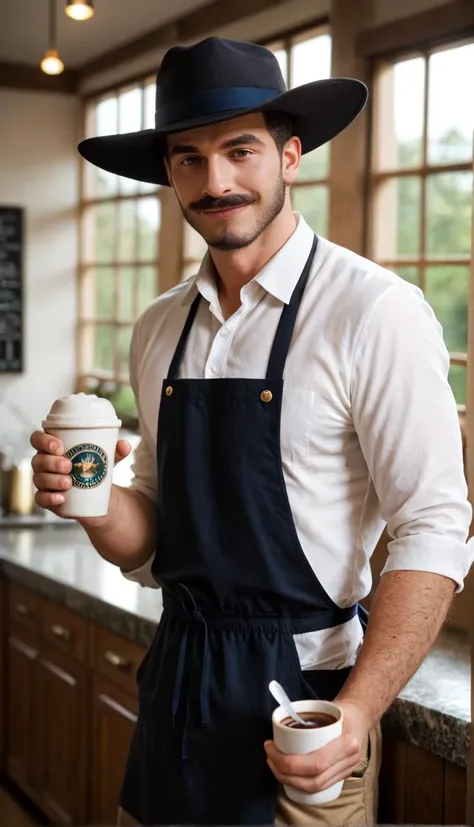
[417, 787]
[61, 708]
[71, 706]
[21, 730]
[114, 713]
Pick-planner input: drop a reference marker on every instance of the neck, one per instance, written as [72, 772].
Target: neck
[235, 268]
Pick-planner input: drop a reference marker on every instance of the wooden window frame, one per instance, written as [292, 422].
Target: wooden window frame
[88, 375]
[426, 169]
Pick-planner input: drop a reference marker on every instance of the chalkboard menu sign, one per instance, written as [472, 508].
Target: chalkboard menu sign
[11, 300]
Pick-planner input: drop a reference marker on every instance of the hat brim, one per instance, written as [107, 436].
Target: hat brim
[319, 110]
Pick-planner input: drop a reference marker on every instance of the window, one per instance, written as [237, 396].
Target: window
[422, 184]
[120, 243]
[302, 59]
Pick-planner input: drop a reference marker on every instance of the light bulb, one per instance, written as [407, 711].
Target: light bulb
[52, 63]
[80, 9]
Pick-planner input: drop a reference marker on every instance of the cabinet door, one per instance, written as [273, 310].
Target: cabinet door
[114, 713]
[22, 741]
[61, 711]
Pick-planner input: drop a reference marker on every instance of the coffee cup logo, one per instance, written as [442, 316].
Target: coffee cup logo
[89, 465]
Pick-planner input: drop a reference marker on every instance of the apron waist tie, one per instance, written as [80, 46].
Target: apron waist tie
[195, 616]
[195, 660]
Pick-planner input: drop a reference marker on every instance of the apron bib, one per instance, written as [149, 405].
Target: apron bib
[236, 587]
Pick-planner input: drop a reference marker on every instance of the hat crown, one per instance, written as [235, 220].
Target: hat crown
[216, 63]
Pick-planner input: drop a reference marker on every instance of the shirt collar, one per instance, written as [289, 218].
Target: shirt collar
[278, 277]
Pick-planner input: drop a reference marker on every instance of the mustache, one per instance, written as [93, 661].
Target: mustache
[209, 203]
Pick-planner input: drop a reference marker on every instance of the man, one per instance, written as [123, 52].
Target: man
[303, 403]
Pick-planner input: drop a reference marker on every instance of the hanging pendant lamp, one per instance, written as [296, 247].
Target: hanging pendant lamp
[52, 63]
[79, 9]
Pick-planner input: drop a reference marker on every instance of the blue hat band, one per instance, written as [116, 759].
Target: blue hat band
[210, 102]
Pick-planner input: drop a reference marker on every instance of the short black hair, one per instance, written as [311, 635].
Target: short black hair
[280, 128]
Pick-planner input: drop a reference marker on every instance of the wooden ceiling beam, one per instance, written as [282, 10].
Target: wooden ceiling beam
[22, 76]
[433, 27]
[198, 23]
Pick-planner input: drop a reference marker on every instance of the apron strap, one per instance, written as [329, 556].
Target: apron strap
[284, 333]
[181, 346]
[286, 325]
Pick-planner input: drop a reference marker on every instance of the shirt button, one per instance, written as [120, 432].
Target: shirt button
[224, 333]
[215, 368]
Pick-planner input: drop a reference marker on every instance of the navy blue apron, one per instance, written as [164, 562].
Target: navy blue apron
[236, 588]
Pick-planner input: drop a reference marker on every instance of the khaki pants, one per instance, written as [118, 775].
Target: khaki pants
[355, 807]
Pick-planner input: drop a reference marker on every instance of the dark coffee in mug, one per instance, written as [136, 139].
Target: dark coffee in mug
[316, 720]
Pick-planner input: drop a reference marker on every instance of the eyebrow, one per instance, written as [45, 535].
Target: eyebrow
[240, 140]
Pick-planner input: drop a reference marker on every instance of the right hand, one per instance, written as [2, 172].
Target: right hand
[51, 469]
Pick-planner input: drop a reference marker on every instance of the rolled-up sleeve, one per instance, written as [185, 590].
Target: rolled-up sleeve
[406, 419]
[144, 469]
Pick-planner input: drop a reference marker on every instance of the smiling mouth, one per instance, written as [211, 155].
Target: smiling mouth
[225, 210]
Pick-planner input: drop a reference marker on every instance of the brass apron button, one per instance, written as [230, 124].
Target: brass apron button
[266, 396]
[169, 390]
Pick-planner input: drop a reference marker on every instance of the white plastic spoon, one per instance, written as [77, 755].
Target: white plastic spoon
[283, 700]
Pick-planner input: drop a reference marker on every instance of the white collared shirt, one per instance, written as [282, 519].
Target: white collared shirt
[369, 432]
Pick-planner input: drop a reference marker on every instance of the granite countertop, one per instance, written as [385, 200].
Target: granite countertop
[59, 562]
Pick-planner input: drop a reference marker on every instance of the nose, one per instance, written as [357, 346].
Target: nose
[218, 177]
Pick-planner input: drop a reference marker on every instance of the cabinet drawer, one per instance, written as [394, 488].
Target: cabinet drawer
[23, 607]
[64, 629]
[116, 658]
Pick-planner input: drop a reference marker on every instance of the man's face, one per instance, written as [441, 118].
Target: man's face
[228, 179]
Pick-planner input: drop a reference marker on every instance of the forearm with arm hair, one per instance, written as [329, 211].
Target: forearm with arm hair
[126, 537]
[407, 612]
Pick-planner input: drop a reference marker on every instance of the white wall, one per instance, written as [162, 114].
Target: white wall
[39, 171]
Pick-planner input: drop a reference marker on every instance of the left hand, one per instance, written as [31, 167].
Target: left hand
[324, 767]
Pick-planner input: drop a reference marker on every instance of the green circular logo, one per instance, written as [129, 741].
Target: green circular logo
[89, 465]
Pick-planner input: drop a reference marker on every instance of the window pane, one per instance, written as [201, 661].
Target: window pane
[104, 293]
[124, 336]
[451, 114]
[147, 287]
[126, 240]
[123, 401]
[448, 213]
[190, 269]
[149, 106]
[104, 231]
[130, 110]
[399, 116]
[107, 116]
[311, 60]
[194, 245]
[397, 208]
[312, 203]
[411, 274]
[149, 216]
[447, 291]
[126, 284]
[457, 380]
[130, 120]
[314, 164]
[100, 182]
[104, 347]
[281, 56]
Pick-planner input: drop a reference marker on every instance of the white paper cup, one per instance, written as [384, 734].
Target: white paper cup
[302, 741]
[89, 429]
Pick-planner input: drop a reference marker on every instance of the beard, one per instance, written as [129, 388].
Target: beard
[227, 238]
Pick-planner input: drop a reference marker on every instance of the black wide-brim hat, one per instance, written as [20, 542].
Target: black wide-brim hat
[217, 80]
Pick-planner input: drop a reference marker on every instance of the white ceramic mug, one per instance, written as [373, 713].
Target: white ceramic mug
[88, 427]
[302, 741]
